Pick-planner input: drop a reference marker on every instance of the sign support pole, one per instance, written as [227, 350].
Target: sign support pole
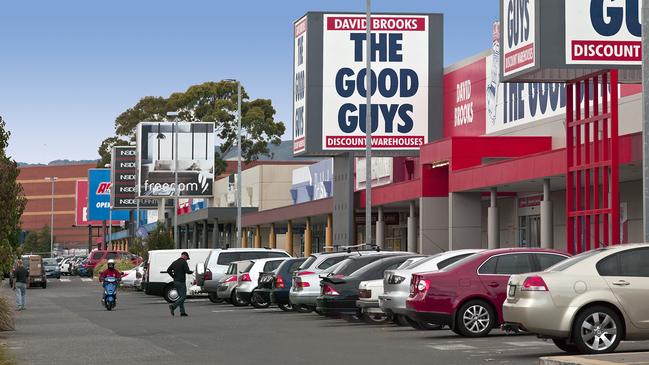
[645, 121]
[368, 126]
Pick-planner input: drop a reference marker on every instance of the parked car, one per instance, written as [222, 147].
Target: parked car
[339, 292]
[97, 256]
[52, 268]
[210, 272]
[158, 282]
[247, 281]
[275, 286]
[36, 269]
[133, 278]
[64, 266]
[225, 289]
[468, 295]
[586, 304]
[306, 283]
[396, 285]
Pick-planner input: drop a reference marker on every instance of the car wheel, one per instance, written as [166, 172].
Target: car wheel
[214, 298]
[401, 320]
[376, 318]
[597, 330]
[302, 309]
[352, 318]
[475, 319]
[44, 285]
[258, 301]
[286, 307]
[236, 301]
[562, 343]
[171, 294]
[421, 325]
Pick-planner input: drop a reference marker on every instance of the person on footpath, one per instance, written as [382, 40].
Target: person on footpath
[178, 271]
[21, 275]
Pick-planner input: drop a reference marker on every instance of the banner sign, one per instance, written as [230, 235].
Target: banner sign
[465, 101]
[81, 205]
[299, 85]
[158, 157]
[124, 176]
[603, 32]
[99, 197]
[519, 35]
[399, 82]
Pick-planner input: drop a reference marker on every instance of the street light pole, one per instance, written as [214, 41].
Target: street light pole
[238, 163]
[368, 125]
[110, 218]
[176, 190]
[52, 180]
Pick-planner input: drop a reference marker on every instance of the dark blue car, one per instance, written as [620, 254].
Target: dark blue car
[283, 281]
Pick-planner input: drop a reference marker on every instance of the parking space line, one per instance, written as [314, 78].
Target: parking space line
[64, 280]
[452, 347]
[86, 279]
[225, 311]
[529, 343]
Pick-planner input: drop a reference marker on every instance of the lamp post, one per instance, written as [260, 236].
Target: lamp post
[137, 201]
[52, 179]
[238, 159]
[368, 125]
[110, 218]
[176, 190]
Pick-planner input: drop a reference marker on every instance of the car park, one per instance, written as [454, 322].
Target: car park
[586, 304]
[64, 266]
[396, 285]
[468, 295]
[52, 268]
[339, 292]
[225, 289]
[97, 256]
[275, 286]
[157, 280]
[213, 269]
[248, 280]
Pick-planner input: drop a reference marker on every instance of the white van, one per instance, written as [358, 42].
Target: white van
[158, 282]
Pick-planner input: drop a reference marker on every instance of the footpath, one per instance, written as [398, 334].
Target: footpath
[629, 358]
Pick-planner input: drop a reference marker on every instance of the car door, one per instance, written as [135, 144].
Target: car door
[497, 270]
[627, 274]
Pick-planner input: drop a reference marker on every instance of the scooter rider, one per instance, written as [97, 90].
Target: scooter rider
[109, 272]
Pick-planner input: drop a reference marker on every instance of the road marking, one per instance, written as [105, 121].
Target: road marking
[64, 280]
[452, 347]
[86, 279]
[226, 310]
[529, 343]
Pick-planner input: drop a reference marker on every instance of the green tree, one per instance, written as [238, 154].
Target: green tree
[214, 102]
[12, 201]
[159, 239]
[37, 241]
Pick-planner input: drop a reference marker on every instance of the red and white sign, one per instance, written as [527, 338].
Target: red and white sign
[299, 85]
[81, 206]
[465, 101]
[399, 86]
[519, 48]
[603, 32]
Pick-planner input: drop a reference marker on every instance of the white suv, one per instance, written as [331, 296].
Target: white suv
[247, 281]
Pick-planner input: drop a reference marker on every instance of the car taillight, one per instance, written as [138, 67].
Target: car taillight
[339, 276]
[279, 282]
[245, 277]
[534, 283]
[302, 284]
[328, 290]
[207, 275]
[418, 285]
[364, 293]
[231, 279]
[301, 273]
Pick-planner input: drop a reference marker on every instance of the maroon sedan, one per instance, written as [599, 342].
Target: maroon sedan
[468, 296]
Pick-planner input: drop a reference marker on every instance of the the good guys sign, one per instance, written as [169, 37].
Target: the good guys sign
[399, 81]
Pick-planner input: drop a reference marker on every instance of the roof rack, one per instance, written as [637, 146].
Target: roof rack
[356, 248]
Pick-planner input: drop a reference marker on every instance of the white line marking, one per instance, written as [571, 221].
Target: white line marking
[528, 343]
[452, 347]
[86, 279]
[225, 311]
[64, 280]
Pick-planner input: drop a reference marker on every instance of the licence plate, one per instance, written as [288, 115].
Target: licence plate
[37, 279]
[512, 290]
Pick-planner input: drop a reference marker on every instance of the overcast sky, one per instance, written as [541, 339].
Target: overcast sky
[68, 68]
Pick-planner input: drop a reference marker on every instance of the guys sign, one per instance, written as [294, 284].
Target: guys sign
[399, 77]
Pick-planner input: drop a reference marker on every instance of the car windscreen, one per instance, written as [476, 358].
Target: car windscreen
[49, 262]
[306, 264]
[97, 255]
[225, 258]
[271, 265]
[563, 265]
[350, 265]
[329, 262]
[459, 263]
[413, 265]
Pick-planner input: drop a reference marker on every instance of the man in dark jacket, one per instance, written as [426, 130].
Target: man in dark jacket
[21, 278]
[178, 271]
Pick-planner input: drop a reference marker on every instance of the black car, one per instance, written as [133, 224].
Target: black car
[339, 292]
[278, 280]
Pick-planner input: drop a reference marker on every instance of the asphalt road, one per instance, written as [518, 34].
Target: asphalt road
[65, 324]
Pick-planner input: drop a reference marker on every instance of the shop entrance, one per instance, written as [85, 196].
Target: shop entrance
[529, 231]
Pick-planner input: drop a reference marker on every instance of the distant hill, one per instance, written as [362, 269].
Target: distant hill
[58, 163]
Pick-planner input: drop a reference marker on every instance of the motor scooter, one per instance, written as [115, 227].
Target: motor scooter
[110, 292]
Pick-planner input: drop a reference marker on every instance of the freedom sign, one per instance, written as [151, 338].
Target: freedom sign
[603, 32]
[399, 82]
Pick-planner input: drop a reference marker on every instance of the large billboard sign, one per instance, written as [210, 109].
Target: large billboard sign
[518, 22]
[81, 205]
[603, 31]
[99, 186]
[399, 89]
[299, 85]
[123, 194]
[158, 156]
[330, 91]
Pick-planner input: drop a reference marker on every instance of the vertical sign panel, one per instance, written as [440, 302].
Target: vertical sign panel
[519, 51]
[299, 85]
[99, 197]
[399, 82]
[124, 178]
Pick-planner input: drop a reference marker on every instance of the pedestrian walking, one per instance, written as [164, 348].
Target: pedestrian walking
[21, 275]
[178, 271]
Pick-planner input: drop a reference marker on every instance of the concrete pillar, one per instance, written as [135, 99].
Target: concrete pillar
[547, 228]
[244, 238]
[257, 242]
[161, 210]
[194, 235]
[187, 241]
[215, 234]
[465, 221]
[204, 235]
[412, 229]
[289, 238]
[308, 238]
[329, 234]
[380, 229]
[272, 237]
[493, 227]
